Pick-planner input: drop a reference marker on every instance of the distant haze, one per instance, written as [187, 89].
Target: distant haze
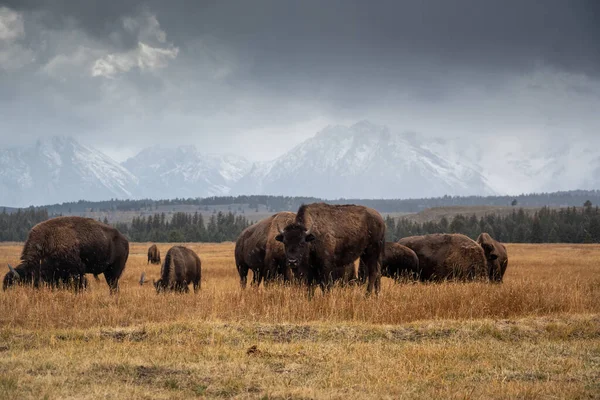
[517, 79]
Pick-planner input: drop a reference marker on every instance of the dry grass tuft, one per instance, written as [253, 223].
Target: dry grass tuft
[536, 335]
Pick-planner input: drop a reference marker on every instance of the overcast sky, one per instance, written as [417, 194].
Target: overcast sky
[257, 77]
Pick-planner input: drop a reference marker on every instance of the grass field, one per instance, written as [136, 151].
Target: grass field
[535, 336]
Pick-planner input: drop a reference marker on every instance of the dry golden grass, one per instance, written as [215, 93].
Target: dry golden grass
[535, 336]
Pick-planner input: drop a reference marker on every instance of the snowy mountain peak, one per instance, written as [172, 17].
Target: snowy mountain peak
[364, 160]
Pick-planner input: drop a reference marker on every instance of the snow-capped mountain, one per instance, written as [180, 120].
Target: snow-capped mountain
[185, 172]
[60, 169]
[364, 161]
[360, 161]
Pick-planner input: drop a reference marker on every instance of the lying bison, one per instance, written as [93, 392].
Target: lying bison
[67, 248]
[256, 249]
[153, 255]
[399, 262]
[324, 237]
[496, 256]
[447, 257]
[182, 266]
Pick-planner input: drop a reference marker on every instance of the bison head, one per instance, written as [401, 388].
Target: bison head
[295, 238]
[160, 285]
[496, 257]
[11, 278]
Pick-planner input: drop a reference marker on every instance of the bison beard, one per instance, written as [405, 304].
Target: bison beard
[182, 266]
[66, 248]
[324, 237]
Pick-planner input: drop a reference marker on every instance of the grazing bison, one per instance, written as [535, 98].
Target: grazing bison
[182, 266]
[153, 255]
[496, 256]
[399, 261]
[256, 249]
[323, 237]
[65, 248]
[445, 256]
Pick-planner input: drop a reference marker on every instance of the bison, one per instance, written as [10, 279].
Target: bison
[495, 255]
[153, 255]
[182, 266]
[65, 248]
[445, 256]
[324, 237]
[399, 261]
[256, 249]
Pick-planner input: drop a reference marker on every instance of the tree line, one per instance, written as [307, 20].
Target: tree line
[14, 227]
[184, 227]
[568, 225]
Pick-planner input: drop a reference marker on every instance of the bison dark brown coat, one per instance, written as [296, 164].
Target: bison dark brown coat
[182, 266]
[324, 237]
[496, 256]
[447, 256]
[70, 247]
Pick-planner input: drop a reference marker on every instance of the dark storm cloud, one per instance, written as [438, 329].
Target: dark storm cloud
[319, 37]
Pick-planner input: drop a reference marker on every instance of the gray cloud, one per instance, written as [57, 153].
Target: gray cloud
[258, 77]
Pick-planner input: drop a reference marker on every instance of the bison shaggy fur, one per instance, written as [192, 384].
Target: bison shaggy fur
[324, 237]
[445, 256]
[182, 266]
[65, 248]
[153, 255]
[399, 261]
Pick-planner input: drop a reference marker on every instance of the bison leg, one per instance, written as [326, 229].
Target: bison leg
[196, 285]
[243, 272]
[372, 260]
[257, 277]
[326, 281]
[113, 273]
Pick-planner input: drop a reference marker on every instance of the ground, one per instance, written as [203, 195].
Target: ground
[537, 335]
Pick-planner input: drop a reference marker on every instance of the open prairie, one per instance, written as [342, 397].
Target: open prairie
[537, 335]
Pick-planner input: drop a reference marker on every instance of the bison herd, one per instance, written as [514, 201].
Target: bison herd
[320, 245]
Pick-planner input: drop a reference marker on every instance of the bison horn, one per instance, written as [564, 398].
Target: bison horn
[279, 229]
[142, 278]
[14, 272]
[308, 231]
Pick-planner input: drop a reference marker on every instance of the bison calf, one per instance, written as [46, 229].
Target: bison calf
[182, 266]
[153, 255]
[399, 261]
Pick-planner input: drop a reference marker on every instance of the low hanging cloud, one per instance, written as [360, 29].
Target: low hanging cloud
[144, 57]
[11, 24]
[13, 54]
